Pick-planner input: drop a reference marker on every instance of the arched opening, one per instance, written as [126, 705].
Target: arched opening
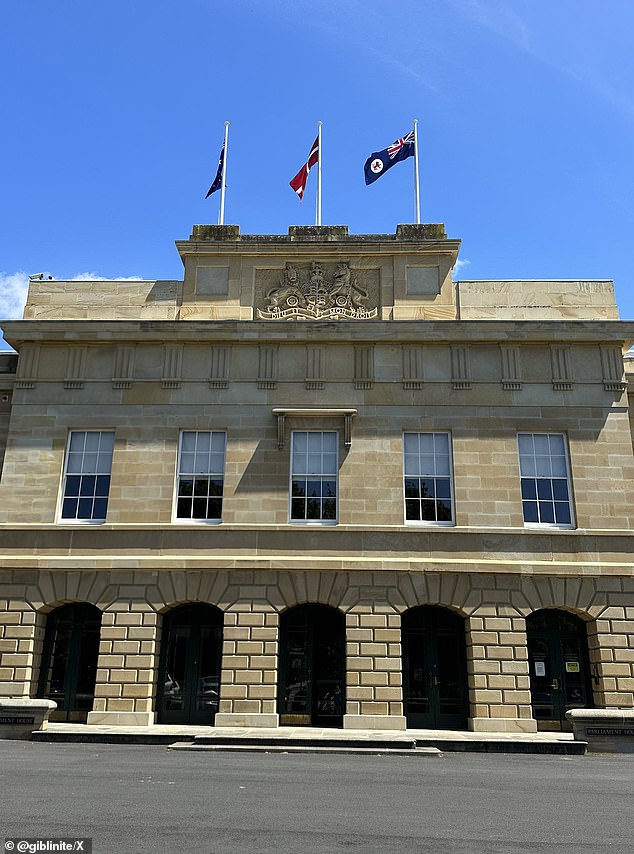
[312, 683]
[190, 663]
[435, 689]
[69, 660]
[559, 666]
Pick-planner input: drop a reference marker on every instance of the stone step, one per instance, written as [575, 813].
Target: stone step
[316, 747]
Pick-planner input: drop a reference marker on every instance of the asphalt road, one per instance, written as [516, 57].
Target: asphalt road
[140, 799]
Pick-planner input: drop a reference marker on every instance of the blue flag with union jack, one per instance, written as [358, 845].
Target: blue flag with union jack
[380, 161]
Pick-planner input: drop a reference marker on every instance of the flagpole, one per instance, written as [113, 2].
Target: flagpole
[223, 184]
[416, 181]
[318, 212]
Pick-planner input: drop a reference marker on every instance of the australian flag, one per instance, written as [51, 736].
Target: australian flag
[217, 182]
[380, 161]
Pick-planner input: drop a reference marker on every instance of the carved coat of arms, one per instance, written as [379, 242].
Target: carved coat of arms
[318, 297]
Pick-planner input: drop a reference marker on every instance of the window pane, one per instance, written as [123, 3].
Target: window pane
[427, 464]
[84, 509]
[329, 488]
[442, 465]
[525, 442]
[77, 441]
[427, 488]
[187, 463]
[72, 485]
[313, 464]
[313, 508]
[527, 466]
[313, 488]
[443, 489]
[560, 490]
[188, 441]
[329, 508]
[215, 487]
[562, 513]
[203, 442]
[200, 486]
[87, 485]
[298, 487]
[184, 508]
[104, 463]
[299, 463]
[102, 487]
[314, 443]
[556, 442]
[441, 444]
[530, 511]
[106, 442]
[428, 510]
[218, 442]
[542, 466]
[100, 508]
[69, 508]
[411, 443]
[443, 511]
[542, 445]
[544, 490]
[214, 508]
[330, 443]
[412, 487]
[412, 464]
[92, 442]
[329, 463]
[426, 443]
[186, 486]
[299, 442]
[546, 511]
[199, 508]
[559, 466]
[297, 508]
[217, 464]
[529, 488]
[412, 510]
[74, 463]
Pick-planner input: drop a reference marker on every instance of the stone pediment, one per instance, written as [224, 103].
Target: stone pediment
[316, 292]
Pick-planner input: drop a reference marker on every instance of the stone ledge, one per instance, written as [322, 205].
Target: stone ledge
[605, 730]
[20, 717]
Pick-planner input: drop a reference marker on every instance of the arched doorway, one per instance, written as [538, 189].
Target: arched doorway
[434, 668]
[312, 666]
[69, 660]
[189, 669]
[559, 666]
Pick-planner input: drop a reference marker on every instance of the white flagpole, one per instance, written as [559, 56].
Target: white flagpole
[416, 182]
[223, 183]
[318, 213]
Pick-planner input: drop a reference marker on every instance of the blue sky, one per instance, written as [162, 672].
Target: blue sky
[114, 115]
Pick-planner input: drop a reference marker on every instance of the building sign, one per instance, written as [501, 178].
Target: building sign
[12, 720]
[610, 730]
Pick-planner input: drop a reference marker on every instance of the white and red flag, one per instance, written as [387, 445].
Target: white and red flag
[298, 183]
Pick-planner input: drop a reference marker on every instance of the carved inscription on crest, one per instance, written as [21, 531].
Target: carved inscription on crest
[315, 295]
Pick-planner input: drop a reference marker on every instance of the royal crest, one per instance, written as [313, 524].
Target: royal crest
[318, 297]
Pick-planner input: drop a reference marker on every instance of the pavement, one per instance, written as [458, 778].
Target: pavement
[411, 742]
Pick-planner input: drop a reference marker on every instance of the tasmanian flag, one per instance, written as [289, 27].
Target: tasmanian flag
[299, 181]
[380, 161]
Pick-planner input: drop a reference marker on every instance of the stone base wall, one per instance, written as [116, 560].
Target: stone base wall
[494, 607]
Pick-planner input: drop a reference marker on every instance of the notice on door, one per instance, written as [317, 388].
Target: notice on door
[572, 667]
[540, 668]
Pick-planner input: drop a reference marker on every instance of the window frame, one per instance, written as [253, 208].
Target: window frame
[434, 523]
[322, 477]
[190, 520]
[566, 526]
[75, 520]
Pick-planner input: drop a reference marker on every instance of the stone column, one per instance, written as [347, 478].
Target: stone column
[374, 683]
[248, 684]
[499, 682]
[126, 670]
[17, 645]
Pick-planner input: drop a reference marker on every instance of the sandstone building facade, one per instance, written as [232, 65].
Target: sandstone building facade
[317, 482]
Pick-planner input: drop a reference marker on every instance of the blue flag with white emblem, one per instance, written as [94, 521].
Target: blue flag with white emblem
[380, 161]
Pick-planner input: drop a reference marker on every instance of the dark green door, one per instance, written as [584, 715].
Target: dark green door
[312, 666]
[559, 666]
[189, 672]
[69, 660]
[434, 669]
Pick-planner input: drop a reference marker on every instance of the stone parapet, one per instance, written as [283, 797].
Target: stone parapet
[605, 730]
[19, 717]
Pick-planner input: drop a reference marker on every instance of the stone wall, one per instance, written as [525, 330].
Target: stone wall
[494, 609]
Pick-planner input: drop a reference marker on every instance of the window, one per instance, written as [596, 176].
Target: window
[314, 476]
[544, 479]
[427, 470]
[201, 467]
[87, 475]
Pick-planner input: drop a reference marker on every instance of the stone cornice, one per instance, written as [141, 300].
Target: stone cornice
[17, 332]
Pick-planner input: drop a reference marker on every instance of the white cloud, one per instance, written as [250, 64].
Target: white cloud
[95, 277]
[13, 288]
[458, 266]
